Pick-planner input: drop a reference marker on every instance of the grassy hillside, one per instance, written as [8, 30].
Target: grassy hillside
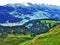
[15, 39]
[50, 38]
[49, 23]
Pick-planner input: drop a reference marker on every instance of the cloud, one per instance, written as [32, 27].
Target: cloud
[53, 2]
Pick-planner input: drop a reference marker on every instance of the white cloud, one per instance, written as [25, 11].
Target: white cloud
[53, 2]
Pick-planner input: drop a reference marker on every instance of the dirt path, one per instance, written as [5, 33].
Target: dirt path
[38, 36]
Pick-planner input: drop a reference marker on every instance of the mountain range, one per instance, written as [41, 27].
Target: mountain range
[22, 14]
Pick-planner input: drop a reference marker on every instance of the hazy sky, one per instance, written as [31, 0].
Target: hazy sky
[53, 2]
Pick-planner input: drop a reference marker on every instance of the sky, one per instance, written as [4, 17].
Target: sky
[49, 2]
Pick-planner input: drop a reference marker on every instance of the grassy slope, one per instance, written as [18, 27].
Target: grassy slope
[46, 22]
[50, 38]
[15, 39]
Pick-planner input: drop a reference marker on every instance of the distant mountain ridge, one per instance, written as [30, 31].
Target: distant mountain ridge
[22, 14]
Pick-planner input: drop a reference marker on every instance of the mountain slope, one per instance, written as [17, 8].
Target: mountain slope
[50, 38]
[22, 13]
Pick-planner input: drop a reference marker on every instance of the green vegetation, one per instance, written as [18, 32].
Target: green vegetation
[49, 23]
[49, 38]
[15, 39]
